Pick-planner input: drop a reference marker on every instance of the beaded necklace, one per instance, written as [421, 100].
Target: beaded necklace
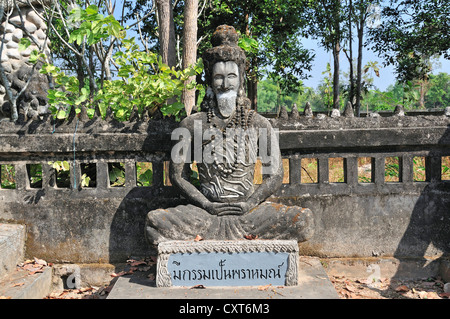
[240, 118]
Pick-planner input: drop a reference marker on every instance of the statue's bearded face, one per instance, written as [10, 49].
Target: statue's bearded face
[225, 78]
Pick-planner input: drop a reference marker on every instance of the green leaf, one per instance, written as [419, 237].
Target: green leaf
[24, 43]
[61, 115]
[92, 9]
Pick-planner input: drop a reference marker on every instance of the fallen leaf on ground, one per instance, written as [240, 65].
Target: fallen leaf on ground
[121, 273]
[134, 263]
[146, 268]
[251, 237]
[40, 261]
[198, 287]
[36, 271]
[432, 295]
[18, 284]
[151, 276]
[402, 288]
[423, 294]
[198, 238]
[263, 288]
[81, 290]
[350, 288]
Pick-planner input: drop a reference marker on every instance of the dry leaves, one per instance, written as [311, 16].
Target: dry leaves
[198, 238]
[34, 265]
[81, 293]
[402, 288]
[251, 237]
[137, 265]
[384, 288]
[198, 287]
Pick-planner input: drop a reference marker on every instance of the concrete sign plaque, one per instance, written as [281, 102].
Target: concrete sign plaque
[227, 263]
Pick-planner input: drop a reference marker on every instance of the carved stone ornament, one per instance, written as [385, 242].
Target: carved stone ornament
[173, 255]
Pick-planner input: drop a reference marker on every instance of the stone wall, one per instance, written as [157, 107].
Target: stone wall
[352, 218]
[24, 22]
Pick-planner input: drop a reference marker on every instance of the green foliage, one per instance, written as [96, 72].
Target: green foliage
[269, 34]
[144, 174]
[143, 82]
[438, 94]
[7, 177]
[147, 84]
[411, 32]
[116, 174]
[94, 27]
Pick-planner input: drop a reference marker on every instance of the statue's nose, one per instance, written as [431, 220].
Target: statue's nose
[225, 83]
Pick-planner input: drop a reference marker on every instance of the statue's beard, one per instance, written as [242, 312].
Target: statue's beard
[226, 102]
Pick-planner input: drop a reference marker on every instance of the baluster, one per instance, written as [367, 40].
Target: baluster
[130, 173]
[378, 168]
[323, 170]
[351, 170]
[102, 175]
[158, 176]
[433, 168]
[295, 170]
[407, 168]
[21, 176]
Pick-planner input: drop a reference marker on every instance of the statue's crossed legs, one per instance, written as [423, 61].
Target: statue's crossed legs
[266, 221]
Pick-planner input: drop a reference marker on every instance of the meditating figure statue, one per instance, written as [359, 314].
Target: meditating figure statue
[224, 140]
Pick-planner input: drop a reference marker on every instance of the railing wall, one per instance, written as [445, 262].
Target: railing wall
[353, 217]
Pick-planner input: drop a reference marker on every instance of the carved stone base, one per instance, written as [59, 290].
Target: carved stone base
[227, 263]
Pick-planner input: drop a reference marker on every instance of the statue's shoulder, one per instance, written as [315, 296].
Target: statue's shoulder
[261, 121]
[188, 122]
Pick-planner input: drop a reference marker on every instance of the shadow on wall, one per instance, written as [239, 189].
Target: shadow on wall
[128, 224]
[127, 232]
[428, 230]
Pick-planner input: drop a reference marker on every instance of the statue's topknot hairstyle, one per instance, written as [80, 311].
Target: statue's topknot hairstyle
[225, 48]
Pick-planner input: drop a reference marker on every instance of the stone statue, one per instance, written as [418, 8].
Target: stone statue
[225, 139]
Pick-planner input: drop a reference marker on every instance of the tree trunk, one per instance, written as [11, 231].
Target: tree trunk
[166, 32]
[252, 92]
[359, 67]
[336, 50]
[189, 50]
[423, 91]
[350, 39]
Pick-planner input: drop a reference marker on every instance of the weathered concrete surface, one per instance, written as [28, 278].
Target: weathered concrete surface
[21, 285]
[386, 267]
[444, 270]
[106, 225]
[313, 284]
[399, 225]
[12, 242]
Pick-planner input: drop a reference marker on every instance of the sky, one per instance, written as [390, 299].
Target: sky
[387, 74]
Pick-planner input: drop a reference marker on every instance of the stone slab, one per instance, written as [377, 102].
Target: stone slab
[12, 242]
[313, 284]
[21, 285]
[227, 263]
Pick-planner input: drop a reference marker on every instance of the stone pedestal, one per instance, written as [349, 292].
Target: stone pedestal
[227, 263]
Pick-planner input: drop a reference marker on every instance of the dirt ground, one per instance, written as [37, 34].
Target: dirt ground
[429, 288]
[383, 288]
